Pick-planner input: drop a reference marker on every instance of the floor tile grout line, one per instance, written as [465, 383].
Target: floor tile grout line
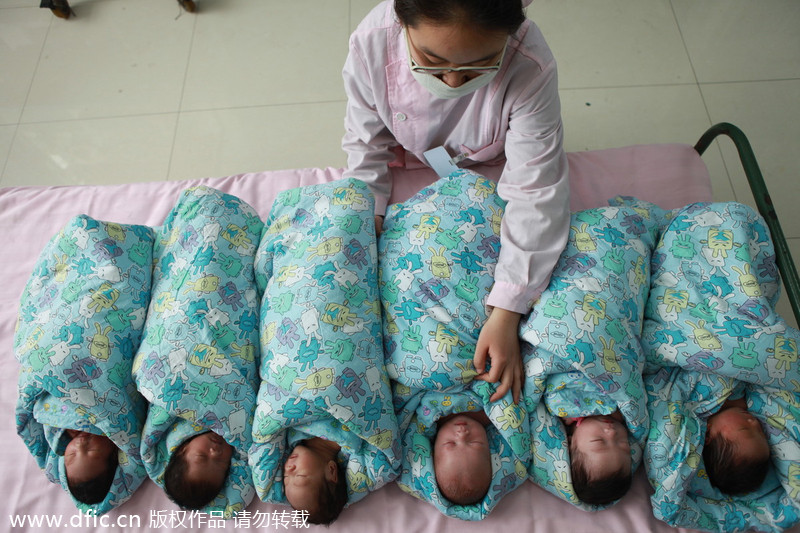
[181, 111]
[27, 97]
[7, 155]
[180, 102]
[626, 86]
[695, 83]
[742, 82]
[702, 97]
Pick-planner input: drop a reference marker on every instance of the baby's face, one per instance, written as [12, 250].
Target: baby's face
[461, 443]
[738, 425]
[603, 442]
[208, 457]
[304, 474]
[86, 455]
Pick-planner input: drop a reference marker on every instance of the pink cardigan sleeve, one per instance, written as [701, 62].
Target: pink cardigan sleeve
[535, 183]
[367, 140]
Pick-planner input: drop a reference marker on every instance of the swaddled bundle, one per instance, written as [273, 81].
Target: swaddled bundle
[80, 323]
[582, 336]
[438, 251]
[322, 370]
[680, 402]
[198, 362]
[711, 334]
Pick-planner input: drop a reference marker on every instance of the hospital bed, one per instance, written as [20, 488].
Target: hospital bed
[670, 175]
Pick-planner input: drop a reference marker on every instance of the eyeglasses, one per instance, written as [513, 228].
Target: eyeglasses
[437, 71]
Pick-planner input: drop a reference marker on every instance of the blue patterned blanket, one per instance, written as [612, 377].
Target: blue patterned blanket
[711, 328]
[582, 336]
[198, 361]
[80, 323]
[322, 370]
[437, 254]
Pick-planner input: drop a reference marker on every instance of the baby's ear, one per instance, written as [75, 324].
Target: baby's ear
[332, 471]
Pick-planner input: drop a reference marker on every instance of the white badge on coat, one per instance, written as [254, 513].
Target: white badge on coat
[441, 162]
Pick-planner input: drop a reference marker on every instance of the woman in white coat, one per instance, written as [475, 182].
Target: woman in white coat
[478, 78]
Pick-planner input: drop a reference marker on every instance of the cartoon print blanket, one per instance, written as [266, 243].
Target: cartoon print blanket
[712, 305]
[437, 253]
[198, 361]
[80, 323]
[322, 370]
[583, 334]
[711, 316]
[680, 401]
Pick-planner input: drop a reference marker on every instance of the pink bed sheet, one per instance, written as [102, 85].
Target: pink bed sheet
[669, 175]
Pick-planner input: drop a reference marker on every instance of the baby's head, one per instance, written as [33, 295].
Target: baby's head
[315, 482]
[197, 470]
[90, 462]
[462, 462]
[600, 458]
[736, 452]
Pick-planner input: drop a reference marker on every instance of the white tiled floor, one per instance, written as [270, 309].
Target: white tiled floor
[134, 90]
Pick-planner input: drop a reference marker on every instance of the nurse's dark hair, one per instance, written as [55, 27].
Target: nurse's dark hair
[492, 15]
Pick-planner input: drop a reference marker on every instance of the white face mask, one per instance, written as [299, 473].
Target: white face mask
[440, 89]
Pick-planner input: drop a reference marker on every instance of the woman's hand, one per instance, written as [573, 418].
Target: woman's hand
[499, 342]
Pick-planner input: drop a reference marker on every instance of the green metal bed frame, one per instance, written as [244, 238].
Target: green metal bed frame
[786, 265]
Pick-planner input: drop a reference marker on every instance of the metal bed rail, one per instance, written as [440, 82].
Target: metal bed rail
[786, 265]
